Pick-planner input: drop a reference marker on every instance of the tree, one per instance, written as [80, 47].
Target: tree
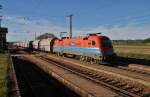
[147, 40]
[45, 36]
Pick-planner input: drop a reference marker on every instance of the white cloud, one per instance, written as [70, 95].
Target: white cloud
[123, 32]
[21, 28]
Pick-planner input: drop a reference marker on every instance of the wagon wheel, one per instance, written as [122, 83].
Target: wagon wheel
[93, 61]
[82, 58]
[86, 59]
[64, 55]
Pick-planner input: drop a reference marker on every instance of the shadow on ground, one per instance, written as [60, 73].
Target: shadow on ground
[126, 61]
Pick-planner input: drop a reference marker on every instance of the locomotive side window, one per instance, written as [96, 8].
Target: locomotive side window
[104, 44]
[93, 43]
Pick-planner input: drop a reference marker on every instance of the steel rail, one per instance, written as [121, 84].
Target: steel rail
[115, 85]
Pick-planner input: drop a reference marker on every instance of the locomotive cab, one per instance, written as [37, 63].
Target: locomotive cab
[104, 44]
[107, 48]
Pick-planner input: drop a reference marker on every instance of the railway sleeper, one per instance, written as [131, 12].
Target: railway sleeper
[134, 70]
[137, 90]
[113, 82]
[143, 72]
[120, 84]
[128, 87]
[92, 75]
[79, 70]
[95, 77]
[139, 71]
[85, 72]
[98, 76]
[102, 78]
[108, 80]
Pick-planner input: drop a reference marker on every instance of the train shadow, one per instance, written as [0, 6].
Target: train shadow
[126, 61]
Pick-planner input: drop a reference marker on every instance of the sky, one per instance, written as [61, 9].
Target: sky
[117, 19]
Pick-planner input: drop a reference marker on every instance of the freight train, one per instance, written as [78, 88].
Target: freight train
[93, 47]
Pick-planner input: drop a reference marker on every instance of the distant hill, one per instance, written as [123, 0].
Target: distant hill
[45, 36]
[146, 40]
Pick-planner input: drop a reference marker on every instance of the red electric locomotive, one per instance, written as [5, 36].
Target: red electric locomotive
[93, 47]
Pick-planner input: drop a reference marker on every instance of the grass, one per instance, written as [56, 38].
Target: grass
[3, 75]
[133, 51]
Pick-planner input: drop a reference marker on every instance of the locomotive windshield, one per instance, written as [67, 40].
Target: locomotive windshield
[106, 43]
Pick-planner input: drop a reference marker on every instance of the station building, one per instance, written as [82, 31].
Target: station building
[3, 42]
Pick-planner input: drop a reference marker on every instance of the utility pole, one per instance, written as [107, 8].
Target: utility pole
[0, 21]
[70, 24]
[0, 16]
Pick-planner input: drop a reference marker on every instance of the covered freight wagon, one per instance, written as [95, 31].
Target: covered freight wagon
[36, 44]
[46, 44]
[30, 45]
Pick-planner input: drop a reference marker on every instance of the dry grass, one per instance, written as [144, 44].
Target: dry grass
[3, 75]
[132, 49]
[139, 51]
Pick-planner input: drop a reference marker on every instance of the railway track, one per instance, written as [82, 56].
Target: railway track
[123, 67]
[126, 68]
[33, 82]
[137, 68]
[141, 71]
[123, 88]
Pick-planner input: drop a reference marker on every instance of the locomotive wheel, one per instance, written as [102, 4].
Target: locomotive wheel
[82, 58]
[74, 56]
[93, 61]
[103, 58]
